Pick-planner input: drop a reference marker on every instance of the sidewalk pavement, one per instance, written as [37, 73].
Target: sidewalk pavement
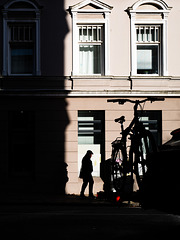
[40, 199]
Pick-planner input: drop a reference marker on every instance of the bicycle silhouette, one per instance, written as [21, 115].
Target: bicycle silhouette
[131, 162]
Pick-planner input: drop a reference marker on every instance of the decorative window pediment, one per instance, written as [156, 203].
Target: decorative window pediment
[91, 6]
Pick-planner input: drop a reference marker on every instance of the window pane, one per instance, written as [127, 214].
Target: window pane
[90, 59]
[89, 34]
[85, 34]
[80, 34]
[21, 34]
[15, 34]
[21, 47]
[91, 137]
[152, 34]
[21, 60]
[99, 34]
[95, 34]
[152, 120]
[147, 59]
[157, 34]
[147, 33]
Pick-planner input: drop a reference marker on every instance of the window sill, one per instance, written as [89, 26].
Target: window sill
[146, 76]
[89, 76]
[21, 75]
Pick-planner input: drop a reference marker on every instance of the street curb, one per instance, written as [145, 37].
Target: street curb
[71, 200]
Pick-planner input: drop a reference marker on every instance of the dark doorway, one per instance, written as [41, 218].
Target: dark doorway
[21, 139]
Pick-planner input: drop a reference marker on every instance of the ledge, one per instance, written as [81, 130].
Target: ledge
[73, 93]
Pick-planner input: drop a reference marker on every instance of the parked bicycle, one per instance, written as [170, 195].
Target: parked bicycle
[131, 161]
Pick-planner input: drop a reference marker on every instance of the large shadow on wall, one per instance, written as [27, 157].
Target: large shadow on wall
[37, 115]
[54, 29]
[51, 167]
[53, 117]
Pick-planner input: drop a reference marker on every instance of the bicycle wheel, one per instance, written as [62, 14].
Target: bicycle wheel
[117, 168]
[143, 146]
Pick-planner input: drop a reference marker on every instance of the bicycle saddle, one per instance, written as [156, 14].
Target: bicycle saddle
[120, 120]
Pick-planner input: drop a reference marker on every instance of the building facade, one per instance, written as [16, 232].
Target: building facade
[60, 63]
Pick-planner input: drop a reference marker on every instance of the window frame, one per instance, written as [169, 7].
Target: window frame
[149, 43]
[93, 43]
[96, 8]
[6, 35]
[91, 123]
[19, 43]
[161, 12]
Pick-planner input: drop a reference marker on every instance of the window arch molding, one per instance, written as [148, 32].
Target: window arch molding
[16, 3]
[159, 3]
[13, 14]
[157, 12]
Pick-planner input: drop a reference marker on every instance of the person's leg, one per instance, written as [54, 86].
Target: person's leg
[84, 185]
[91, 182]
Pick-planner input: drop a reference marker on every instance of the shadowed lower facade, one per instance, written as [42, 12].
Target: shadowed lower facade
[60, 63]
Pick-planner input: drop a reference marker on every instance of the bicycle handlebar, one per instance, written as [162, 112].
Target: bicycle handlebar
[122, 101]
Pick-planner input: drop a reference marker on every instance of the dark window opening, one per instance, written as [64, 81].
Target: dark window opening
[152, 120]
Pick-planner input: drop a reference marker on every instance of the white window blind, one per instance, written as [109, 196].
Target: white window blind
[90, 49]
[144, 59]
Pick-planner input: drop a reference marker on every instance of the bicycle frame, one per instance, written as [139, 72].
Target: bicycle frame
[135, 120]
[135, 124]
[139, 140]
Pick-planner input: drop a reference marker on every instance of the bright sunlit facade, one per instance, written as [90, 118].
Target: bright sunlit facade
[60, 64]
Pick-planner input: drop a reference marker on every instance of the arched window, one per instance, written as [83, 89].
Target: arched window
[149, 38]
[21, 38]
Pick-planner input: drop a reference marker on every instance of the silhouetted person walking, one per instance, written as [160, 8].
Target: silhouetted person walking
[85, 174]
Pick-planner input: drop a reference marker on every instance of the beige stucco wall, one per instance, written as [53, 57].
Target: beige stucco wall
[170, 121]
[120, 37]
[173, 38]
[120, 84]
